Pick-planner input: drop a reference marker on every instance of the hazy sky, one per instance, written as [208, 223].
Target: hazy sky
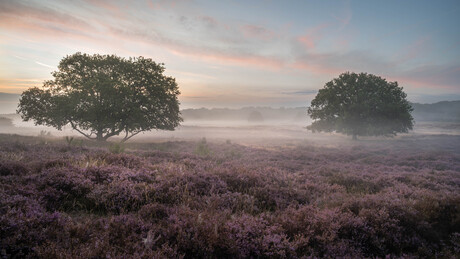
[241, 53]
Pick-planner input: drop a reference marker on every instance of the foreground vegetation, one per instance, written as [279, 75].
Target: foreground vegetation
[68, 199]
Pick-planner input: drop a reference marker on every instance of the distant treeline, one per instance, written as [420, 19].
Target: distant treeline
[446, 111]
[8, 103]
[250, 114]
[442, 111]
[6, 122]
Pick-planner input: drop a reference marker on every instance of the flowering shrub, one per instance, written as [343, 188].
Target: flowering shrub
[396, 199]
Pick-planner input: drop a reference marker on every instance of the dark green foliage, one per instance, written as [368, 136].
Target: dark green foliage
[102, 96]
[361, 105]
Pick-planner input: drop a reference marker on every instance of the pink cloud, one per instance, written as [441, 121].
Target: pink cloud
[45, 24]
[36, 23]
[313, 35]
[11, 12]
[316, 68]
[38, 30]
[308, 41]
[404, 81]
[110, 8]
[444, 77]
[204, 53]
[108, 5]
[228, 59]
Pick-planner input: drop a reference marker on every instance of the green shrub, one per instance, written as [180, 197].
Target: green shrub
[116, 148]
[202, 148]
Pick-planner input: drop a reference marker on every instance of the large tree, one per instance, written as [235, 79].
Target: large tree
[101, 96]
[361, 105]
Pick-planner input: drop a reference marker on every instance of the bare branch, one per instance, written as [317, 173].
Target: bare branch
[84, 134]
[113, 133]
[132, 135]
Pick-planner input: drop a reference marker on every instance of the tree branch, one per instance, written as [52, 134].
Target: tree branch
[113, 133]
[84, 134]
[132, 135]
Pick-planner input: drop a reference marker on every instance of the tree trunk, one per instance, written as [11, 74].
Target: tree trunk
[355, 137]
[99, 136]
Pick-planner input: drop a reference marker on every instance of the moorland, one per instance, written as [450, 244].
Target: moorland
[283, 195]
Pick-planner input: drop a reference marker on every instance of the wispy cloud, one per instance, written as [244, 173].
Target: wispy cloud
[44, 65]
[345, 15]
[312, 35]
[445, 77]
[19, 57]
[212, 45]
[7, 84]
[302, 92]
[192, 34]
[18, 10]
[412, 51]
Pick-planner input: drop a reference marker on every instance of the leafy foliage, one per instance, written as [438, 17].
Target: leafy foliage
[361, 105]
[105, 95]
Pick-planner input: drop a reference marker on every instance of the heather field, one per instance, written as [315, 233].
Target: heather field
[222, 199]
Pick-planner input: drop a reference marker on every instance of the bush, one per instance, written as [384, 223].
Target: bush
[116, 148]
[202, 148]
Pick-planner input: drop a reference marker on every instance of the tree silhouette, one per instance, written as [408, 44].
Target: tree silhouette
[361, 105]
[101, 96]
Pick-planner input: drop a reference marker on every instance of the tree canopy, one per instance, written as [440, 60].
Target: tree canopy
[361, 105]
[101, 96]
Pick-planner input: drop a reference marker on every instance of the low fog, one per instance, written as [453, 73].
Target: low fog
[256, 126]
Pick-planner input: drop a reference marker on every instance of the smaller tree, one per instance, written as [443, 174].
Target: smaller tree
[101, 96]
[361, 105]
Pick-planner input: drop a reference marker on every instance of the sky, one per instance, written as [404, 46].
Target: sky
[242, 53]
